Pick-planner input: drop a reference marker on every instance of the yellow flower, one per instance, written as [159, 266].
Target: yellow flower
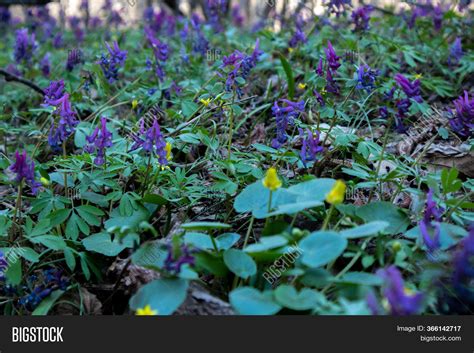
[396, 246]
[146, 311]
[323, 92]
[337, 193]
[45, 181]
[168, 151]
[290, 50]
[418, 76]
[134, 104]
[205, 102]
[302, 85]
[271, 180]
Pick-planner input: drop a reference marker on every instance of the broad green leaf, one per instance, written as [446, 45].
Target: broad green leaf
[162, 295]
[320, 248]
[289, 297]
[47, 303]
[387, 212]
[240, 263]
[364, 230]
[250, 301]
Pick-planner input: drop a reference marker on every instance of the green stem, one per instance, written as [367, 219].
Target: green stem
[328, 218]
[144, 188]
[65, 174]
[249, 230]
[18, 203]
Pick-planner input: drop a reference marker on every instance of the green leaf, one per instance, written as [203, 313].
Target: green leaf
[47, 303]
[189, 108]
[321, 248]
[163, 295]
[267, 243]
[54, 242]
[288, 297]
[199, 240]
[249, 301]
[240, 263]
[361, 278]
[103, 244]
[387, 212]
[365, 230]
[199, 226]
[450, 181]
[211, 263]
[289, 76]
[58, 217]
[227, 240]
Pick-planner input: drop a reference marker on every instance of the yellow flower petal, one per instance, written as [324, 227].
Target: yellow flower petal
[337, 193]
[168, 151]
[302, 85]
[45, 181]
[290, 50]
[134, 104]
[205, 102]
[418, 76]
[146, 311]
[271, 180]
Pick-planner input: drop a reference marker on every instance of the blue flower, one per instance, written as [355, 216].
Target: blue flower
[285, 116]
[366, 78]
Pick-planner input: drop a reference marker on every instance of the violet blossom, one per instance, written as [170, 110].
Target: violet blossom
[455, 52]
[400, 300]
[98, 141]
[285, 116]
[361, 18]
[464, 269]
[25, 45]
[24, 168]
[45, 65]
[151, 141]
[176, 259]
[411, 88]
[366, 78]
[74, 58]
[432, 211]
[310, 147]
[111, 62]
[462, 121]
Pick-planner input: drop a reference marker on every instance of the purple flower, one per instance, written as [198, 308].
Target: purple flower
[320, 69]
[98, 141]
[160, 51]
[25, 45]
[463, 121]
[5, 15]
[237, 16]
[366, 78]
[3, 266]
[403, 107]
[241, 65]
[361, 18]
[56, 97]
[331, 84]
[310, 147]
[400, 300]
[332, 58]
[58, 40]
[215, 10]
[411, 88]
[111, 62]
[53, 92]
[455, 52]
[176, 259]
[464, 268]
[74, 58]
[319, 98]
[151, 140]
[432, 211]
[438, 15]
[24, 169]
[75, 23]
[45, 65]
[298, 37]
[285, 116]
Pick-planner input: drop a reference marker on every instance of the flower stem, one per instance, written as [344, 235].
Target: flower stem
[18, 204]
[328, 218]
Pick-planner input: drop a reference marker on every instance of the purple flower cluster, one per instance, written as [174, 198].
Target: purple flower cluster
[400, 301]
[411, 88]
[55, 96]
[200, 43]
[25, 45]
[455, 52]
[45, 65]
[40, 287]
[310, 147]
[366, 78]
[151, 140]
[74, 58]
[24, 169]
[237, 17]
[333, 64]
[3, 266]
[285, 116]
[112, 61]
[299, 36]
[160, 52]
[215, 11]
[174, 262]
[98, 141]
[426, 225]
[75, 23]
[464, 269]
[361, 18]
[463, 120]
[5, 15]
[241, 65]
[464, 4]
